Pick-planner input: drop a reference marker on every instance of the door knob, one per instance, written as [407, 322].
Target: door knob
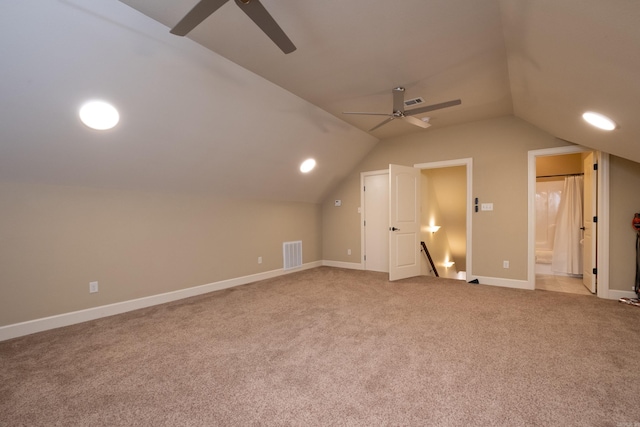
[394, 229]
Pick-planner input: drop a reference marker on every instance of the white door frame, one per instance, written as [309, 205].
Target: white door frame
[468, 163]
[603, 213]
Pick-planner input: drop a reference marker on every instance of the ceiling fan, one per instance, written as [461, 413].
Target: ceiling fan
[254, 10]
[400, 113]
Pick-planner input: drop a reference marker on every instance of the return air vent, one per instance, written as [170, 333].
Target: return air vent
[292, 254]
[413, 101]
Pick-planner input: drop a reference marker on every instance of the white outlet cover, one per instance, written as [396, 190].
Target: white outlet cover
[338, 203]
[93, 287]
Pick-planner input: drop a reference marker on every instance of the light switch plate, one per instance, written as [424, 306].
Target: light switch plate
[486, 206]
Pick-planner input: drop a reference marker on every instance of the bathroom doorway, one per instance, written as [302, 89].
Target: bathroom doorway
[559, 231]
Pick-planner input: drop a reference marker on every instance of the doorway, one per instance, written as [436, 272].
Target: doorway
[453, 225]
[566, 196]
[561, 242]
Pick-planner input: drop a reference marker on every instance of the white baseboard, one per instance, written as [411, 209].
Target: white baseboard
[46, 323]
[341, 264]
[613, 294]
[523, 284]
[505, 283]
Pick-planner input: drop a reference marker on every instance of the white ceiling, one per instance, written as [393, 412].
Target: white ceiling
[194, 121]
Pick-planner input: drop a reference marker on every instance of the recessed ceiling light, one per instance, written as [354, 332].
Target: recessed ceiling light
[307, 165]
[599, 121]
[99, 115]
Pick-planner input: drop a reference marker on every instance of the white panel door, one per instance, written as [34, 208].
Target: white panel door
[590, 231]
[404, 222]
[376, 222]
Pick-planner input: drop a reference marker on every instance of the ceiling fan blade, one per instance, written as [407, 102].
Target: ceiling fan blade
[381, 124]
[432, 107]
[398, 99]
[199, 13]
[367, 114]
[256, 11]
[416, 121]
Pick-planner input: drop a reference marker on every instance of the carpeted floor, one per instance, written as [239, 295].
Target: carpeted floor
[336, 347]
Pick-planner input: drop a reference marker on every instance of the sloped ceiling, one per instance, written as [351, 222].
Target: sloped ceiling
[195, 121]
[571, 56]
[545, 61]
[351, 54]
[191, 121]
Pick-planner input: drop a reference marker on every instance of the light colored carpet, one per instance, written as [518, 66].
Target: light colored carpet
[336, 347]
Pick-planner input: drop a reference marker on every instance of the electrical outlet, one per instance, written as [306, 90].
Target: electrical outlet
[93, 287]
[505, 264]
[259, 260]
[348, 251]
[486, 206]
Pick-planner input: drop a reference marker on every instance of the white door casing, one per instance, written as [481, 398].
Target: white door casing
[404, 222]
[589, 251]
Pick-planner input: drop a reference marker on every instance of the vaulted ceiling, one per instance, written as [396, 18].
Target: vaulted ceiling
[195, 121]
[547, 62]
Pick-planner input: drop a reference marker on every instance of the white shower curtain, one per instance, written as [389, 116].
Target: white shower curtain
[567, 249]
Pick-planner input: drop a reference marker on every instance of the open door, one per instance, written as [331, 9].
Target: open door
[404, 222]
[589, 225]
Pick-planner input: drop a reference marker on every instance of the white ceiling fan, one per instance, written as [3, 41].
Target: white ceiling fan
[400, 113]
[254, 10]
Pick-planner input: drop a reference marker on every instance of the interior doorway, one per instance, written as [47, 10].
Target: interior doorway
[443, 220]
[560, 209]
[437, 223]
[567, 209]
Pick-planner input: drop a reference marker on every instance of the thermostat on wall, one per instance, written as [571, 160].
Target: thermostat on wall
[338, 203]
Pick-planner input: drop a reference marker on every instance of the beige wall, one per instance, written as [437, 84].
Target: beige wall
[55, 240]
[624, 202]
[437, 243]
[558, 165]
[499, 150]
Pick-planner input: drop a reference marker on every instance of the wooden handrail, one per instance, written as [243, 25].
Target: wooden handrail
[426, 251]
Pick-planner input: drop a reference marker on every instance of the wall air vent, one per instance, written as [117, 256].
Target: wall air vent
[292, 254]
[413, 101]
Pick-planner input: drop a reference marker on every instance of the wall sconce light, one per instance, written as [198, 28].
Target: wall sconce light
[448, 264]
[433, 228]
